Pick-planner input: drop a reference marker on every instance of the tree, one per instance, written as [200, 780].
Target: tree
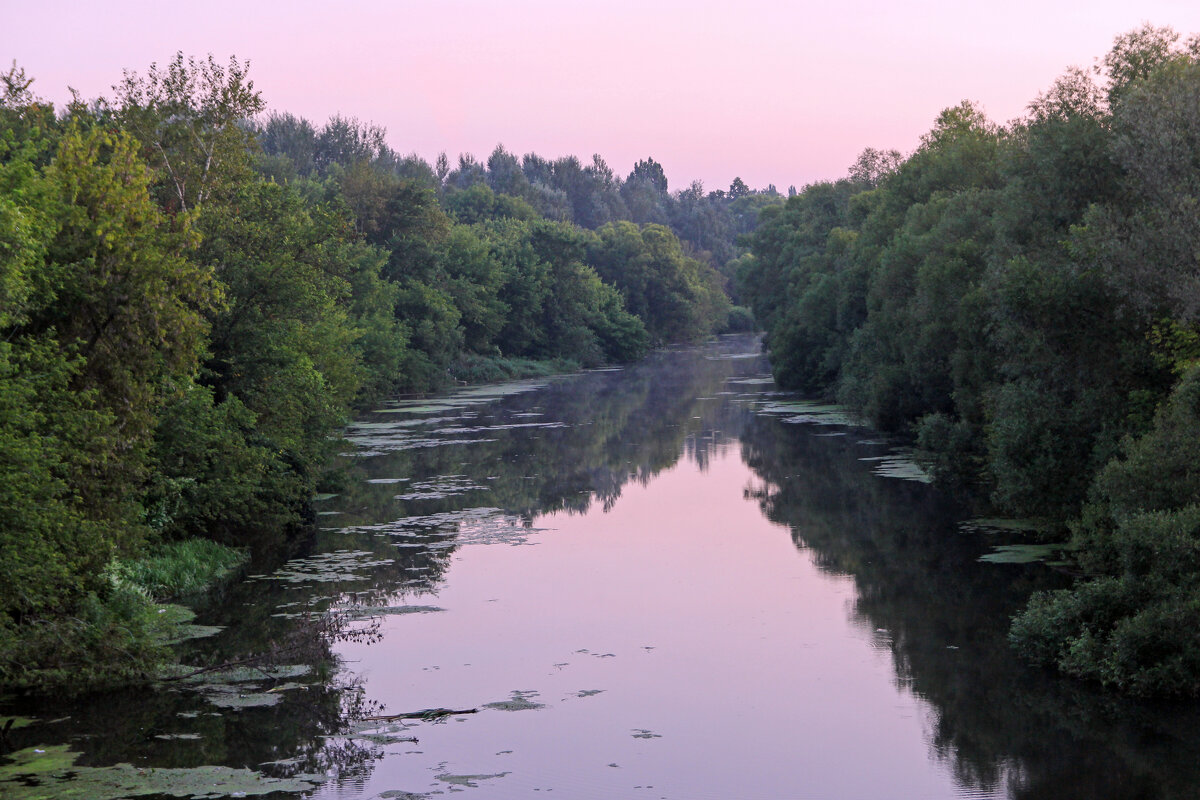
[191, 121]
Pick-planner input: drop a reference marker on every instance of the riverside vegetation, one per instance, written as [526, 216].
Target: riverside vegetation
[1024, 300]
[194, 298]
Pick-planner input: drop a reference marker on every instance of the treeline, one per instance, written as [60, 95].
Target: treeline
[711, 223]
[189, 310]
[1025, 301]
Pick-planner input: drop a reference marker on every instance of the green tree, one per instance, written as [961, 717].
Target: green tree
[191, 121]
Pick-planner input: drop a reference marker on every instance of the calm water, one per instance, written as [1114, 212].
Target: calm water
[667, 581]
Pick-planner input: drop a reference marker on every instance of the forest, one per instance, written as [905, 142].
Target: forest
[196, 295]
[1023, 300]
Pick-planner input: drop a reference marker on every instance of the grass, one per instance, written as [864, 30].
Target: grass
[180, 569]
[474, 368]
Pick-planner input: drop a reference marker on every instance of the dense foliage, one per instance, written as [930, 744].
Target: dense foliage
[1023, 300]
[192, 303]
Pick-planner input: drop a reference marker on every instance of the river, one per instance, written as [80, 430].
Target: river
[664, 581]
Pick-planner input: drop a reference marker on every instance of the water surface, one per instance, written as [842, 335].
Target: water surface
[667, 581]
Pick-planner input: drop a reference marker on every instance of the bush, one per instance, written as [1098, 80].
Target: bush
[112, 639]
[1133, 631]
[740, 320]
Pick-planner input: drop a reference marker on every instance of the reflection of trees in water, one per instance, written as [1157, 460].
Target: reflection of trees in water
[616, 427]
[176, 727]
[944, 616]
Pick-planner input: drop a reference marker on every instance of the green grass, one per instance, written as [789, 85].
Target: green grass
[180, 569]
[473, 368]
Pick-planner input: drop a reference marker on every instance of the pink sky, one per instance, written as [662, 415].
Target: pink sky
[773, 92]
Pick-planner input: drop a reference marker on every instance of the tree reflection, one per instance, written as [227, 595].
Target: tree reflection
[944, 617]
[572, 447]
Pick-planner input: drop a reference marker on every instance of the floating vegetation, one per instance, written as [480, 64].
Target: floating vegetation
[520, 701]
[363, 612]
[484, 525]
[395, 733]
[471, 781]
[495, 391]
[1021, 553]
[234, 675]
[50, 773]
[589, 692]
[994, 525]
[508, 426]
[764, 381]
[339, 565]
[179, 626]
[441, 488]
[901, 466]
[235, 699]
[377, 445]
[808, 412]
[418, 407]
[642, 733]
[240, 687]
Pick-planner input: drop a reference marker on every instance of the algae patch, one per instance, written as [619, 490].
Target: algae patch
[806, 412]
[470, 781]
[902, 467]
[483, 525]
[178, 626]
[441, 488]
[368, 612]
[520, 701]
[1021, 553]
[341, 565]
[50, 773]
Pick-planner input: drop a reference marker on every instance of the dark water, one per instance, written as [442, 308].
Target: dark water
[660, 582]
